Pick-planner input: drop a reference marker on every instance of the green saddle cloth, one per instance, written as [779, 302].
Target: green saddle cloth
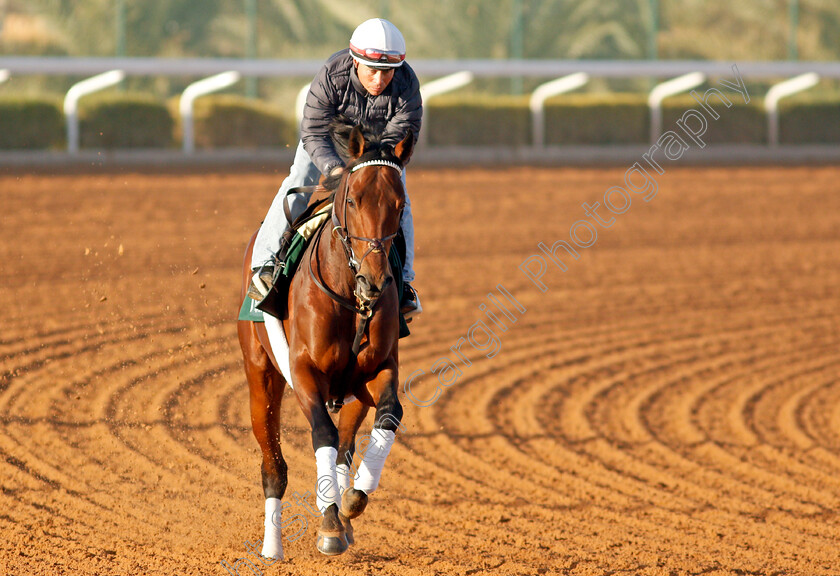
[248, 311]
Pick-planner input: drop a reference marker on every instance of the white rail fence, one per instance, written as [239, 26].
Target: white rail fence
[670, 88]
[779, 91]
[76, 92]
[195, 90]
[456, 74]
[448, 83]
[543, 93]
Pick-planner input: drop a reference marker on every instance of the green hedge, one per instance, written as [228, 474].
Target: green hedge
[810, 120]
[588, 119]
[739, 123]
[596, 119]
[30, 123]
[471, 120]
[478, 121]
[124, 120]
[228, 121]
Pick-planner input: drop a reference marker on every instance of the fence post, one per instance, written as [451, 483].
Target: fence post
[193, 91]
[543, 93]
[793, 13]
[71, 102]
[251, 88]
[517, 35]
[119, 24]
[441, 86]
[662, 91]
[653, 34]
[776, 93]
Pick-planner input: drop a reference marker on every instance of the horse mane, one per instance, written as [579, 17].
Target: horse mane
[340, 128]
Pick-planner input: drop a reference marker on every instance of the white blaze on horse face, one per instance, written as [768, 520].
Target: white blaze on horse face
[374, 460]
[273, 539]
[327, 487]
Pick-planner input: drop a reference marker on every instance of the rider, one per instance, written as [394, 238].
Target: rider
[369, 83]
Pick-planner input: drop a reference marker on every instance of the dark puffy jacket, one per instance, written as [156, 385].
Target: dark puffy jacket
[336, 89]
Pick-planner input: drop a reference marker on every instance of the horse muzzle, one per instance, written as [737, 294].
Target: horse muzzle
[367, 291]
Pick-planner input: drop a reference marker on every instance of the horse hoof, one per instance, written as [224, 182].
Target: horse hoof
[353, 503]
[348, 529]
[332, 545]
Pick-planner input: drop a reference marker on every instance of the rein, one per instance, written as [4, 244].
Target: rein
[361, 307]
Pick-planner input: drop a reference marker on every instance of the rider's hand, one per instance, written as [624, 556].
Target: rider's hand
[332, 173]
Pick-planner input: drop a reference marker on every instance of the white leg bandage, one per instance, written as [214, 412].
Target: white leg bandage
[371, 467]
[343, 473]
[327, 484]
[273, 539]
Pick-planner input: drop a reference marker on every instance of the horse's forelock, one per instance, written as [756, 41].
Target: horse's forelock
[340, 129]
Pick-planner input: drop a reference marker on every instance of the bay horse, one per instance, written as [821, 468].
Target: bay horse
[341, 324]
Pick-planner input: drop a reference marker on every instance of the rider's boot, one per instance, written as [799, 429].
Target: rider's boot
[263, 277]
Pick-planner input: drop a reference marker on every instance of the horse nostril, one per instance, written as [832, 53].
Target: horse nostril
[365, 287]
[368, 289]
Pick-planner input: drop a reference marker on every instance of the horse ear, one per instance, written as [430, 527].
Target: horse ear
[404, 148]
[356, 144]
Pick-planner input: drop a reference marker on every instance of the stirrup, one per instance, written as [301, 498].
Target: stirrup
[262, 281]
[410, 306]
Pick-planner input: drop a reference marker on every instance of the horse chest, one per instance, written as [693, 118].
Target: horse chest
[370, 359]
[376, 347]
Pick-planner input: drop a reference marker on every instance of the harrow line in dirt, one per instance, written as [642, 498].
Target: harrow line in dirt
[668, 406]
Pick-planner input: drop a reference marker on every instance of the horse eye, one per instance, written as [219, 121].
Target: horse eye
[350, 201]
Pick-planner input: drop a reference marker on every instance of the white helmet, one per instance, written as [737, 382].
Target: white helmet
[378, 43]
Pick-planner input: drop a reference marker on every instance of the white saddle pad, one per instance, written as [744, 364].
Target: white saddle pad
[279, 345]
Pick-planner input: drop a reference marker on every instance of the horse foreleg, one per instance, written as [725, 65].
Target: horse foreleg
[383, 390]
[266, 394]
[349, 420]
[332, 538]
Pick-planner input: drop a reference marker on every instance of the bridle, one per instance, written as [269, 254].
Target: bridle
[341, 231]
[363, 306]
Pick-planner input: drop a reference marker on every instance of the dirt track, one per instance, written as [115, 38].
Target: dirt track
[669, 406]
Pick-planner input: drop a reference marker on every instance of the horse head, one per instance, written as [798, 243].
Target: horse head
[368, 206]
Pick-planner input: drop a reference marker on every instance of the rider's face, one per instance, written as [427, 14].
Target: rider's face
[374, 81]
